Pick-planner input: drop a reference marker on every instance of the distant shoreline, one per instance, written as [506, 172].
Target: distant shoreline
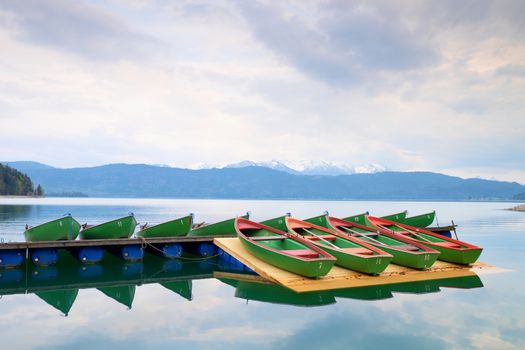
[282, 199]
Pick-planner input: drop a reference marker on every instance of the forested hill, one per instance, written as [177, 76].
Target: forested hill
[15, 183]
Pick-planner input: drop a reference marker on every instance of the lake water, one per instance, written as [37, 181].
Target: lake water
[162, 304]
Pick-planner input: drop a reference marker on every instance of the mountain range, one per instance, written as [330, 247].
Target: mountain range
[302, 167]
[259, 182]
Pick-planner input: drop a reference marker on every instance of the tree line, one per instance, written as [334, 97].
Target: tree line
[15, 183]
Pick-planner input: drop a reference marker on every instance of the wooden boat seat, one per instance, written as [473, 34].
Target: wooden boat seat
[447, 244]
[361, 251]
[266, 238]
[409, 247]
[325, 237]
[301, 253]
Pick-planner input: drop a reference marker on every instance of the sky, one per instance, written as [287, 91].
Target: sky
[410, 85]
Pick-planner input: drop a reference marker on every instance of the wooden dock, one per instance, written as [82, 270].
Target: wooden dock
[101, 242]
[339, 277]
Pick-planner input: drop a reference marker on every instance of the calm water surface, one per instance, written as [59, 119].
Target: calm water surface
[160, 304]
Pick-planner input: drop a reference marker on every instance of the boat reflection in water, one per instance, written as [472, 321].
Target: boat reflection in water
[250, 288]
[59, 285]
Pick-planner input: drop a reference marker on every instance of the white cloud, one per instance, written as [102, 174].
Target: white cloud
[427, 86]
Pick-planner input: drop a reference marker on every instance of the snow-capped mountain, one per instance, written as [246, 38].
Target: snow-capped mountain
[302, 167]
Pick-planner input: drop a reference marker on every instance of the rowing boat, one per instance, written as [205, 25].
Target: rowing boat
[278, 222]
[351, 253]
[399, 217]
[423, 220]
[361, 218]
[358, 219]
[222, 228]
[405, 252]
[283, 250]
[452, 250]
[172, 228]
[64, 228]
[118, 228]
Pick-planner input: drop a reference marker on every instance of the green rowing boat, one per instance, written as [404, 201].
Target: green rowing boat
[222, 228]
[405, 252]
[351, 253]
[358, 219]
[172, 228]
[396, 217]
[278, 222]
[361, 218]
[283, 250]
[423, 220]
[65, 228]
[118, 228]
[451, 250]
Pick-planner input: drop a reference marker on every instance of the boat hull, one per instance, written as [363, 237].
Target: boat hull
[462, 257]
[173, 228]
[372, 265]
[357, 219]
[65, 228]
[398, 217]
[274, 252]
[223, 228]
[451, 250]
[310, 269]
[278, 222]
[373, 262]
[423, 220]
[417, 260]
[119, 228]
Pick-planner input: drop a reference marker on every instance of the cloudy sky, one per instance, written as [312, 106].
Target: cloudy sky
[411, 85]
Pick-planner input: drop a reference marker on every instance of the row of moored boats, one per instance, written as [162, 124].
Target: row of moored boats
[310, 248]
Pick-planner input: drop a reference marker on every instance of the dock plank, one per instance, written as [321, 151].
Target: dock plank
[102, 242]
[339, 277]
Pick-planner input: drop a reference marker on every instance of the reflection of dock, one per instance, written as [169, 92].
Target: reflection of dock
[69, 273]
[258, 289]
[339, 277]
[58, 285]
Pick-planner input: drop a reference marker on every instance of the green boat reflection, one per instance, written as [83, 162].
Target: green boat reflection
[117, 279]
[275, 294]
[122, 294]
[182, 288]
[61, 300]
[59, 285]
[256, 290]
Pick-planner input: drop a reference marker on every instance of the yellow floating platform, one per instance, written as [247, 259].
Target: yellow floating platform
[339, 277]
